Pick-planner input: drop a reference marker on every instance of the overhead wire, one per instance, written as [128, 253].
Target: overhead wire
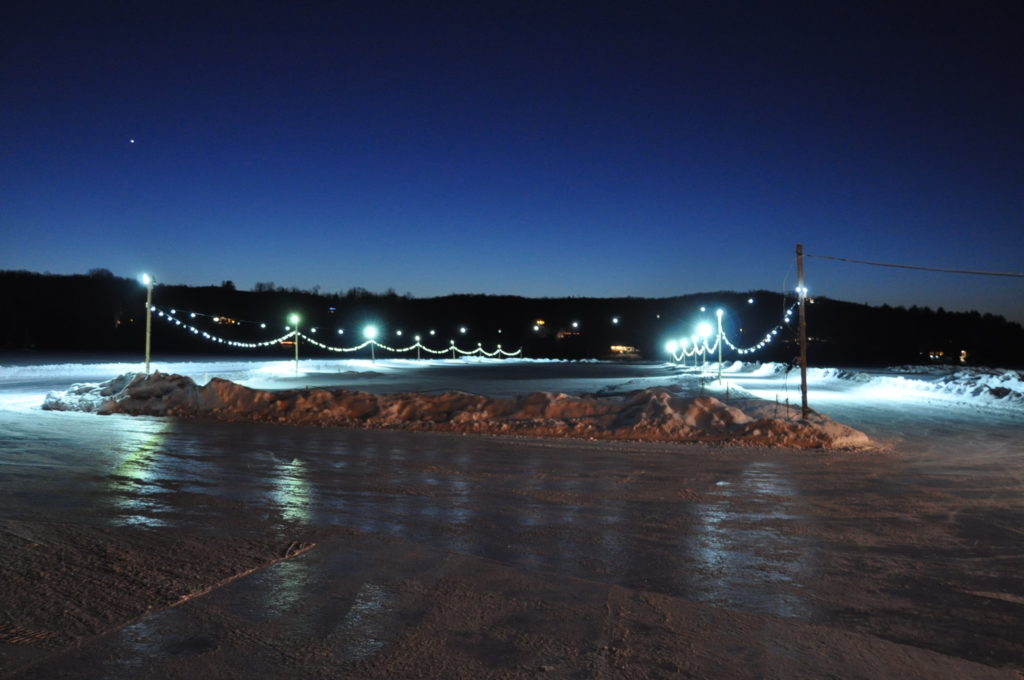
[976, 272]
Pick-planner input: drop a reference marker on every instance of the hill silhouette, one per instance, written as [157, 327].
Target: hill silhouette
[100, 312]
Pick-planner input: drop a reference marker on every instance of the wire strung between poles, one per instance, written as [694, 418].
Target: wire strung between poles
[917, 267]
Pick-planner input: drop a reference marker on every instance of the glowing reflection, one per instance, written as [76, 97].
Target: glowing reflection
[742, 559]
[132, 482]
[293, 492]
[286, 585]
[366, 624]
[460, 512]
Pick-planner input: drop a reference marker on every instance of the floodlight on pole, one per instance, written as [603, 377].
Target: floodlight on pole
[671, 346]
[683, 342]
[294, 319]
[147, 281]
[370, 333]
[417, 347]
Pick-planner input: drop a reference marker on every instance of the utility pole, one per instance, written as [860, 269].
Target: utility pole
[148, 280]
[802, 290]
[720, 334]
[295, 319]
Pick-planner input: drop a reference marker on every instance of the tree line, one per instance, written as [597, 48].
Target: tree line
[100, 312]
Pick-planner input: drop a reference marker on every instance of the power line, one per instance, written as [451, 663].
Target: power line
[911, 266]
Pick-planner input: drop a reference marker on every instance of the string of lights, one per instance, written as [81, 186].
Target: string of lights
[769, 336]
[216, 318]
[321, 345]
[697, 346]
[416, 345]
[172, 317]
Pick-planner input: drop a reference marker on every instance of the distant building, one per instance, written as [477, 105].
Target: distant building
[624, 352]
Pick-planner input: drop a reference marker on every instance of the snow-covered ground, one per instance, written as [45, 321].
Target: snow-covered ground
[977, 388]
[938, 412]
[679, 402]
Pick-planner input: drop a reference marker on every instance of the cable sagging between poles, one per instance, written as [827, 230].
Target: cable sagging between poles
[917, 267]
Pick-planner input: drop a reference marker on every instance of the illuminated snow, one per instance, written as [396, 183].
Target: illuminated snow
[650, 414]
[901, 402]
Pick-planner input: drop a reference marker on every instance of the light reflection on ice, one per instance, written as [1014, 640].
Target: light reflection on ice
[292, 491]
[132, 482]
[740, 559]
[366, 626]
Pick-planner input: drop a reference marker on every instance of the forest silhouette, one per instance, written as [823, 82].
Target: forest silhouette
[99, 312]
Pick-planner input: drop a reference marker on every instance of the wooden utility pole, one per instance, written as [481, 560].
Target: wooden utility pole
[148, 280]
[802, 291]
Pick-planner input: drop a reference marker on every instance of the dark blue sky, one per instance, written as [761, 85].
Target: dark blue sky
[549, 148]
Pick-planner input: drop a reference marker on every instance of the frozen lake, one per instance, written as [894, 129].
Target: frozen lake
[467, 555]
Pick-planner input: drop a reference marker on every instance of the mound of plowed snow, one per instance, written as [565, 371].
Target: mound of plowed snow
[994, 387]
[651, 414]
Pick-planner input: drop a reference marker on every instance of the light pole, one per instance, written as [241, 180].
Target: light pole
[370, 332]
[294, 319]
[704, 330]
[417, 347]
[802, 289]
[719, 315]
[147, 281]
[683, 342]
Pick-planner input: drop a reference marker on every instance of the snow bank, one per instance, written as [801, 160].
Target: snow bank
[976, 387]
[993, 388]
[655, 414]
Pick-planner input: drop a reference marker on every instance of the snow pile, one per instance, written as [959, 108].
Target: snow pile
[975, 387]
[813, 374]
[996, 388]
[913, 369]
[759, 369]
[655, 414]
[837, 374]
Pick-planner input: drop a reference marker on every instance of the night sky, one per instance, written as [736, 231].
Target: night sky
[541, 149]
